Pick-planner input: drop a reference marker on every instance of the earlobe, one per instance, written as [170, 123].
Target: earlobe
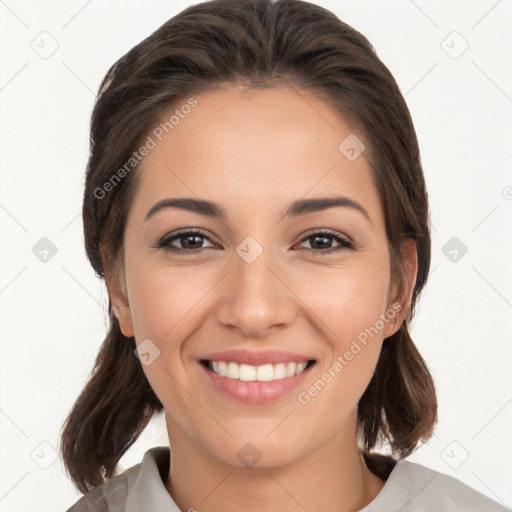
[121, 309]
[125, 322]
[410, 257]
[410, 260]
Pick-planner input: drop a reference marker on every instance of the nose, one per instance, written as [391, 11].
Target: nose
[255, 298]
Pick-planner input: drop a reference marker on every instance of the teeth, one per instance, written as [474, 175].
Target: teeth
[234, 372]
[290, 369]
[242, 372]
[223, 368]
[249, 373]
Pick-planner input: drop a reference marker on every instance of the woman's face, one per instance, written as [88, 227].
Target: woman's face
[260, 278]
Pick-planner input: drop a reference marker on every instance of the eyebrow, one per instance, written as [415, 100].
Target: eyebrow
[299, 207]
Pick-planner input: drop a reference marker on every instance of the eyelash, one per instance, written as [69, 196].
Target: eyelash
[164, 243]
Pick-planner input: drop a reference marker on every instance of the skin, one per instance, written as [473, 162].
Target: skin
[254, 153]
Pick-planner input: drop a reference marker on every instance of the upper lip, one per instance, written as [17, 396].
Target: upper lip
[257, 358]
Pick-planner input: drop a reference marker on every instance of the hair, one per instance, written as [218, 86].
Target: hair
[260, 44]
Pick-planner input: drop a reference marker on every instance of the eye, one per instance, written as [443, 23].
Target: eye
[322, 238]
[188, 241]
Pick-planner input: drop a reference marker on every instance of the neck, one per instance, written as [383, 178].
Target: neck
[317, 480]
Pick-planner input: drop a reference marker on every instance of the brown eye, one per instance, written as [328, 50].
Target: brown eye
[321, 242]
[188, 241]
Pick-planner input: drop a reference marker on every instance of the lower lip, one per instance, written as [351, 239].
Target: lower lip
[257, 392]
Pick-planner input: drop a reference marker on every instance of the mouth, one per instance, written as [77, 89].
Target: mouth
[255, 384]
[251, 373]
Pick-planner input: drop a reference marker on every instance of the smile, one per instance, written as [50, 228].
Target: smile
[255, 384]
[250, 373]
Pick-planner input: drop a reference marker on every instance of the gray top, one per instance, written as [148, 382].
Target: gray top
[410, 487]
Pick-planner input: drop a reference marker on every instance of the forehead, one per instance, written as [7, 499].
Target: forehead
[242, 148]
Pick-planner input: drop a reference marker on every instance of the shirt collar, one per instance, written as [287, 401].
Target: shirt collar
[146, 490]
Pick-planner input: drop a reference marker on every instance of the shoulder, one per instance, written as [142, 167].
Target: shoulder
[127, 491]
[109, 496]
[412, 487]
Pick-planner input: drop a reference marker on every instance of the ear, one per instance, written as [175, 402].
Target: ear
[120, 305]
[410, 257]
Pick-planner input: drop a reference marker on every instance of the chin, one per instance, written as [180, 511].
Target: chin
[261, 451]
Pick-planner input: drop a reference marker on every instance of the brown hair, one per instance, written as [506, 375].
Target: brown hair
[258, 43]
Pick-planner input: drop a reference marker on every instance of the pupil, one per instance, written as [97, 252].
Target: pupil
[188, 238]
[325, 239]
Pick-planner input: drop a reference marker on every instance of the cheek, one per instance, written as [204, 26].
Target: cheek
[346, 300]
[347, 308]
[162, 300]
[351, 328]
[164, 304]
[167, 307]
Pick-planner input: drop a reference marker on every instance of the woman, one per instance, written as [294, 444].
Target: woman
[256, 204]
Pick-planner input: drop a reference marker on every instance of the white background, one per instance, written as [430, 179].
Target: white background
[53, 314]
